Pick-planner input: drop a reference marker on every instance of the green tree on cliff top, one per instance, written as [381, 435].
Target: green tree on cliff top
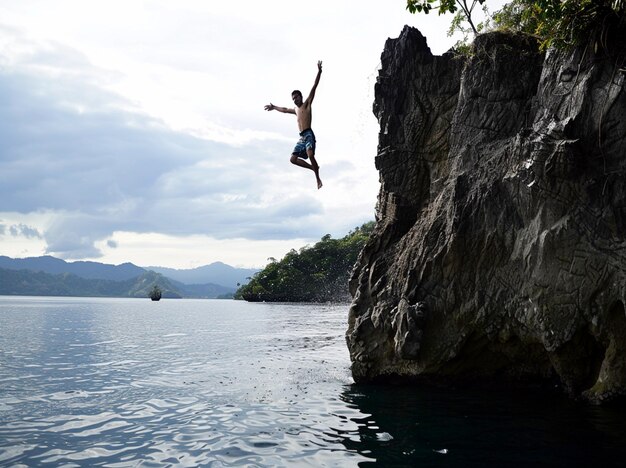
[560, 23]
[462, 8]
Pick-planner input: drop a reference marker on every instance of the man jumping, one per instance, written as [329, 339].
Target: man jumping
[305, 148]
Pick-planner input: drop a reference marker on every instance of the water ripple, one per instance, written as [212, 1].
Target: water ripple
[235, 387]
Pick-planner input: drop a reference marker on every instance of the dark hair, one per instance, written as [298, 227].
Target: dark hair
[295, 91]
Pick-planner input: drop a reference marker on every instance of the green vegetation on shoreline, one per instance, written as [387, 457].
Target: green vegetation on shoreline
[317, 273]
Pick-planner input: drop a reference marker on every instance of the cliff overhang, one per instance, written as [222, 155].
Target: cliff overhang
[500, 243]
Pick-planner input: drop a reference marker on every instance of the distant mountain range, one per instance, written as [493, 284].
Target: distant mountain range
[218, 273]
[89, 270]
[38, 283]
[52, 276]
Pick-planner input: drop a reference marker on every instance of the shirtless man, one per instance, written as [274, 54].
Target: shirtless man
[305, 148]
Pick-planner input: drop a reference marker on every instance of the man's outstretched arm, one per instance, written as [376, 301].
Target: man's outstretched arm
[284, 110]
[309, 100]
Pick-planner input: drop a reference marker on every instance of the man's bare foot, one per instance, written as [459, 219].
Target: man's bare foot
[316, 170]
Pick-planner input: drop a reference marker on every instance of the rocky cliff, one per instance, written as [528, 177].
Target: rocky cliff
[499, 252]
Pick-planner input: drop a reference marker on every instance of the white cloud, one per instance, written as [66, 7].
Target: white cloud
[136, 128]
[192, 251]
[17, 241]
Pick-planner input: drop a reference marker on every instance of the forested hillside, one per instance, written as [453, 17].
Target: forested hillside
[317, 273]
[37, 283]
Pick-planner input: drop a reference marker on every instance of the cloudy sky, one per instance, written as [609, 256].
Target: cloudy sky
[134, 130]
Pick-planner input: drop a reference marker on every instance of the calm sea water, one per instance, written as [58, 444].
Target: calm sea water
[115, 382]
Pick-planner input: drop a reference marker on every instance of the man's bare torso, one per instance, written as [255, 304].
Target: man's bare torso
[304, 116]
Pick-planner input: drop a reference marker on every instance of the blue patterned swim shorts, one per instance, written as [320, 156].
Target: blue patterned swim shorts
[306, 141]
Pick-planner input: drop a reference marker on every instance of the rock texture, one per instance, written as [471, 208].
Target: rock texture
[500, 246]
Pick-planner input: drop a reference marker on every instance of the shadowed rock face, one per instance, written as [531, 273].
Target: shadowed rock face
[500, 245]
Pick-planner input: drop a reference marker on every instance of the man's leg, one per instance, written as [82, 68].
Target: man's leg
[314, 167]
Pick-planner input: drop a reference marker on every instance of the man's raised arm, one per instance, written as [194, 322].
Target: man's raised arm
[309, 100]
[284, 110]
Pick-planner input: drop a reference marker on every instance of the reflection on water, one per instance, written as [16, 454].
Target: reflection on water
[454, 427]
[105, 382]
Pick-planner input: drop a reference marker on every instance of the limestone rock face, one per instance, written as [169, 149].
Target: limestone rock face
[500, 244]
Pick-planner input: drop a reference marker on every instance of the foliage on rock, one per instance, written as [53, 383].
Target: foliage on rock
[558, 23]
[566, 23]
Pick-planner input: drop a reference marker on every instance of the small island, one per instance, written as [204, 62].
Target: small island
[155, 293]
